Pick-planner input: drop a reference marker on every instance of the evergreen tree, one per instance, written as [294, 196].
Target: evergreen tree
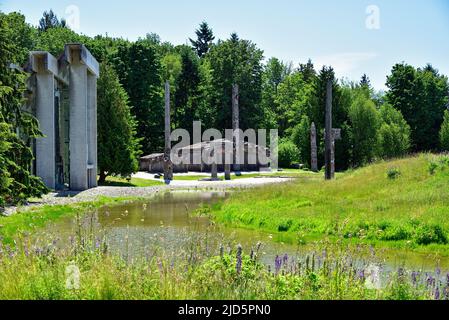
[308, 71]
[365, 81]
[186, 95]
[118, 147]
[444, 132]
[204, 41]
[17, 127]
[50, 20]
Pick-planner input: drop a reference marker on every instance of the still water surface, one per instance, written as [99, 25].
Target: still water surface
[166, 224]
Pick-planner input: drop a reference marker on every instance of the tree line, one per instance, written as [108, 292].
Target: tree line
[411, 116]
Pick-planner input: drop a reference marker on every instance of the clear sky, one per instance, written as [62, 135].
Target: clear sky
[351, 35]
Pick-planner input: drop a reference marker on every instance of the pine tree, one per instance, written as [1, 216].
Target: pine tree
[365, 81]
[118, 147]
[50, 20]
[204, 41]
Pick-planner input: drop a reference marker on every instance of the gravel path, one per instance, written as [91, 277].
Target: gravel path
[68, 197]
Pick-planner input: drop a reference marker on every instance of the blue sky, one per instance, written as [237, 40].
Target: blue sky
[328, 32]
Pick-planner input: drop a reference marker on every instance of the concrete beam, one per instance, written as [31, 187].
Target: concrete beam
[84, 57]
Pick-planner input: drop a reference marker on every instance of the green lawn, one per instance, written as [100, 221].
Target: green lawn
[133, 182]
[410, 209]
[285, 173]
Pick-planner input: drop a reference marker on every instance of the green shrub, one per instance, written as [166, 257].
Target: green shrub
[427, 234]
[396, 233]
[288, 153]
[393, 173]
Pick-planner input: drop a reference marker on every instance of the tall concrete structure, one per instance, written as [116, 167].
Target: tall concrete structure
[313, 149]
[65, 104]
[168, 166]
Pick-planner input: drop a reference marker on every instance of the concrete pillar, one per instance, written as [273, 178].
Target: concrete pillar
[78, 123]
[313, 149]
[45, 113]
[168, 167]
[236, 127]
[329, 174]
[92, 128]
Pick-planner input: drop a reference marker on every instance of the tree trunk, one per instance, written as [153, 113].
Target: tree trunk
[102, 178]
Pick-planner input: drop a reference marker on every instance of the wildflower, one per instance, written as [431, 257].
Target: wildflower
[414, 278]
[277, 264]
[437, 294]
[285, 259]
[238, 266]
[97, 243]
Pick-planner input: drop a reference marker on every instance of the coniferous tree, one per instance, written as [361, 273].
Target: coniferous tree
[50, 20]
[17, 127]
[118, 147]
[204, 41]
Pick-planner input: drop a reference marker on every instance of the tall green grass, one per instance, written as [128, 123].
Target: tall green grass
[400, 203]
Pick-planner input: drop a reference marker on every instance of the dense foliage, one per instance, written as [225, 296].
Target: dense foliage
[273, 94]
[118, 148]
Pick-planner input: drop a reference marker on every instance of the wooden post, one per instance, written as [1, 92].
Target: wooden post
[313, 149]
[168, 166]
[328, 134]
[236, 127]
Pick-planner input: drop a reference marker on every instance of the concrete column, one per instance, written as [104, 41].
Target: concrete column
[168, 167]
[92, 128]
[45, 113]
[78, 124]
[313, 149]
[236, 127]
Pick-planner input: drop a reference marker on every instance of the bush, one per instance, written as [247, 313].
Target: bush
[393, 173]
[288, 153]
[427, 234]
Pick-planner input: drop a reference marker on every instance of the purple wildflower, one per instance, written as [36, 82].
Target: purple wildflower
[277, 264]
[97, 243]
[437, 294]
[285, 260]
[238, 266]
[414, 278]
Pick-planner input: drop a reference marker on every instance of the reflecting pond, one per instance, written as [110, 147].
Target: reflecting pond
[165, 223]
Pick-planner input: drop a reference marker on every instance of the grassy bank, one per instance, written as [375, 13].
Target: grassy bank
[29, 220]
[403, 203]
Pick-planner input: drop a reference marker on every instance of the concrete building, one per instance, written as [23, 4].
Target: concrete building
[63, 96]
